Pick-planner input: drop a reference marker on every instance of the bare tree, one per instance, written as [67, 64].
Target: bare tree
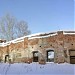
[22, 28]
[10, 28]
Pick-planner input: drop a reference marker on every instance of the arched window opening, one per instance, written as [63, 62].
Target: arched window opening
[50, 56]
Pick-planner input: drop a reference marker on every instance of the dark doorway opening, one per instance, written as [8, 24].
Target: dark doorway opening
[72, 59]
[72, 56]
[35, 56]
[50, 56]
[6, 58]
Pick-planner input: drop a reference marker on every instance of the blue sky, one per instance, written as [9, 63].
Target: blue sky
[41, 15]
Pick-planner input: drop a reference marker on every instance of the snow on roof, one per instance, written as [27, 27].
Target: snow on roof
[68, 32]
[43, 36]
[37, 35]
[3, 44]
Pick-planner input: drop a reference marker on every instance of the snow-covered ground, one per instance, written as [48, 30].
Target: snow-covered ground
[35, 69]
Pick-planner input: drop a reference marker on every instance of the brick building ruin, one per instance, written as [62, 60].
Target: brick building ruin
[57, 47]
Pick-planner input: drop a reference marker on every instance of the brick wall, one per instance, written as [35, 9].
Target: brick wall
[23, 51]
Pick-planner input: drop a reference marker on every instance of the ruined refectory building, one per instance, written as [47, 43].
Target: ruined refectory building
[57, 47]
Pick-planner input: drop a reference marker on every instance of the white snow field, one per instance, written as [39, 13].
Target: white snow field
[36, 69]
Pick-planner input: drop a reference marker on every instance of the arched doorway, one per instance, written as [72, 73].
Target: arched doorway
[50, 55]
[72, 56]
[35, 56]
[6, 58]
